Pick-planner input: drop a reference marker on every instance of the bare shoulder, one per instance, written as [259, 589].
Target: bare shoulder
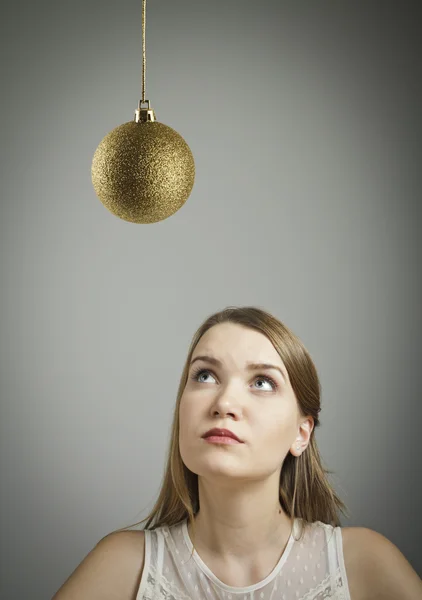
[111, 571]
[376, 568]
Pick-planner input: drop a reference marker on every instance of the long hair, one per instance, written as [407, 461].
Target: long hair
[305, 491]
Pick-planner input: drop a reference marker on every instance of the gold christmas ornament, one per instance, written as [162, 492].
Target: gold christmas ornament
[143, 171]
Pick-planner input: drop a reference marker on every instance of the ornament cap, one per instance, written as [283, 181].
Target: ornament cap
[144, 114]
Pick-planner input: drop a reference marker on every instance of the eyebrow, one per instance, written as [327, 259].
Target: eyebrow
[249, 366]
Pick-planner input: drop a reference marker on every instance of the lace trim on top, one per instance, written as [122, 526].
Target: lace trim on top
[325, 590]
[165, 590]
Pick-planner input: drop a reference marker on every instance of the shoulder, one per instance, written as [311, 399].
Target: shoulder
[125, 544]
[125, 540]
[111, 571]
[376, 568]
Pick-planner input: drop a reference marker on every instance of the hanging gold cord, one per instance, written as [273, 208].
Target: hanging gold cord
[142, 114]
[144, 58]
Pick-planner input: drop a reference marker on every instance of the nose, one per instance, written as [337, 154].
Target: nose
[226, 404]
[224, 413]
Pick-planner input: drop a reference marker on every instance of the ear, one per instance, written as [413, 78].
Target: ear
[304, 435]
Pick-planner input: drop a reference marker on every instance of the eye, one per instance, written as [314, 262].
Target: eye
[266, 379]
[203, 373]
[200, 373]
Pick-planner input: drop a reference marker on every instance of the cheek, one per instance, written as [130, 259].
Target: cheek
[188, 427]
[188, 417]
[278, 430]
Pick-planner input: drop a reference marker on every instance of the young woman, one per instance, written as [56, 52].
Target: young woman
[246, 511]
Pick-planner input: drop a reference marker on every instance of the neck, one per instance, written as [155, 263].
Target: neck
[237, 524]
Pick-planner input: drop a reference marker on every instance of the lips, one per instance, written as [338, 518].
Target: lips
[221, 432]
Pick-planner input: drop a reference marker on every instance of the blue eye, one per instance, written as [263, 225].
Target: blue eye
[200, 372]
[270, 380]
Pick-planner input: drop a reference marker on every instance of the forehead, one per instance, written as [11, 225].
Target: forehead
[234, 342]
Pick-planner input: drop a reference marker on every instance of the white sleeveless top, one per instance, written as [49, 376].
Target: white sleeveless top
[309, 569]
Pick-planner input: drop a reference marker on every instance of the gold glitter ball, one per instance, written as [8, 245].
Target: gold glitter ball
[143, 172]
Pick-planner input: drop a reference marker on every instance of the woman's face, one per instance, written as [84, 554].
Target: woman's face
[256, 403]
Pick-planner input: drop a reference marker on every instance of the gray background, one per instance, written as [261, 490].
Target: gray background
[304, 121]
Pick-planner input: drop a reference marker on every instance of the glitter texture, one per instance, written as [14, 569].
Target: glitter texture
[143, 172]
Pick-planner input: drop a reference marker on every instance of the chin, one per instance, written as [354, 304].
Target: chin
[216, 466]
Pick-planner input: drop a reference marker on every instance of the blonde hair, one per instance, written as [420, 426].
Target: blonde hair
[305, 492]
